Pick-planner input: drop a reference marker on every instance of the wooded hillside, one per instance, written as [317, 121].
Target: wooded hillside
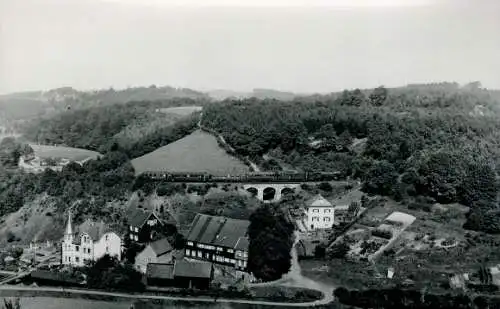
[436, 140]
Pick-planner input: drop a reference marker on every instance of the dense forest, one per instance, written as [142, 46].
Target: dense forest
[136, 128]
[438, 140]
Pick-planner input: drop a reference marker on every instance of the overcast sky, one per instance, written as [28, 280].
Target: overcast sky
[323, 46]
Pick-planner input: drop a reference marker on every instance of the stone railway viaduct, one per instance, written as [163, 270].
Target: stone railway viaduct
[270, 192]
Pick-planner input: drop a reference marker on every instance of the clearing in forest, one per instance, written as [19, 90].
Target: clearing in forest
[60, 152]
[197, 152]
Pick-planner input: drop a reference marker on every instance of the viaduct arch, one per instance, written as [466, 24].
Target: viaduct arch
[270, 192]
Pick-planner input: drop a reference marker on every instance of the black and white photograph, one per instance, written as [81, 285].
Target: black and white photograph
[249, 154]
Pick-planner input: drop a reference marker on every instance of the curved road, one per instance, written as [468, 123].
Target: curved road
[151, 297]
[294, 278]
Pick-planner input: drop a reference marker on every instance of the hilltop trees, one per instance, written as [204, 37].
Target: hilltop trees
[378, 96]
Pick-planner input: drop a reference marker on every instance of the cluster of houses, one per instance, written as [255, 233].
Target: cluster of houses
[212, 240]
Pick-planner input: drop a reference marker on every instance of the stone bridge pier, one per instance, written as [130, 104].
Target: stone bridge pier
[269, 192]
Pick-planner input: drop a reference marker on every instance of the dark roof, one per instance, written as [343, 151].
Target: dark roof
[318, 201]
[161, 246]
[160, 271]
[139, 217]
[242, 244]
[192, 269]
[94, 229]
[217, 231]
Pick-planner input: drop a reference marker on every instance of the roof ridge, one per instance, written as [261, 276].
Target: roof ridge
[204, 227]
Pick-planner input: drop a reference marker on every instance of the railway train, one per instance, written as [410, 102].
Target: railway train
[255, 177]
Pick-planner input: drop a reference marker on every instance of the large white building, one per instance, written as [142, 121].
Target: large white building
[320, 213]
[89, 242]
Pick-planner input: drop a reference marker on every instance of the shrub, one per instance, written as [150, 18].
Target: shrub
[325, 186]
[382, 233]
[339, 250]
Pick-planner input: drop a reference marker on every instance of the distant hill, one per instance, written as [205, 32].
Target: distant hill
[28, 105]
[259, 93]
[197, 152]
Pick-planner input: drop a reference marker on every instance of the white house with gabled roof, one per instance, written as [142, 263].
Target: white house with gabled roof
[89, 242]
[320, 213]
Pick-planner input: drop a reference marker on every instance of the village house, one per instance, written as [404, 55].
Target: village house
[159, 251]
[180, 274]
[89, 242]
[142, 225]
[219, 240]
[319, 213]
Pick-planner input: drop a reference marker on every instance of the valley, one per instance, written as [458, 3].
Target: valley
[369, 138]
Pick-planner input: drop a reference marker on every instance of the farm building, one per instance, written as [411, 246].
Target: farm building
[181, 274]
[142, 225]
[219, 240]
[159, 251]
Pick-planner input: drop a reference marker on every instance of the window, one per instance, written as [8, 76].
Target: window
[107, 237]
[69, 258]
[230, 250]
[232, 261]
[131, 228]
[77, 259]
[131, 236]
[199, 254]
[326, 219]
[315, 210]
[149, 260]
[226, 260]
[136, 238]
[327, 210]
[219, 249]
[315, 218]
[136, 230]
[189, 243]
[77, 248]
[107, 249]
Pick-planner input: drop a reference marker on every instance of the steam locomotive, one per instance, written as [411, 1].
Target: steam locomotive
[259, 177]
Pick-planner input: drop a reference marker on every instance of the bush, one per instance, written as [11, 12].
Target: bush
[339, 250]
[325, 186]
[382, 233]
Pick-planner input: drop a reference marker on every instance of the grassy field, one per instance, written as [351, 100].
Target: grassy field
[182, 110]
[74, 154]
[197, 152]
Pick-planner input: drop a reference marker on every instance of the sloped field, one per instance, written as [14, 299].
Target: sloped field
[197, 152]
